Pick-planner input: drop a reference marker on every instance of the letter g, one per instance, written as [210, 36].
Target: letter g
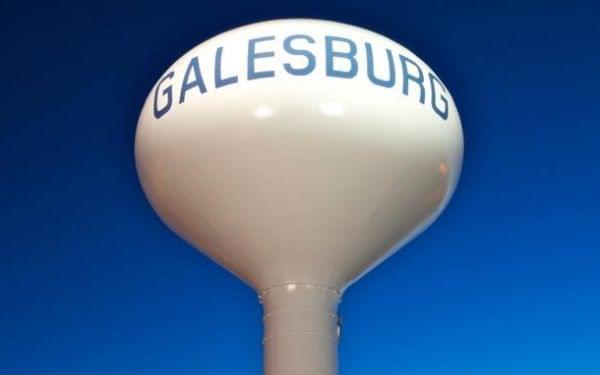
[168, 92]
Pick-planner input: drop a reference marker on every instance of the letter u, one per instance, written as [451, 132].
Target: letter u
[371, 68]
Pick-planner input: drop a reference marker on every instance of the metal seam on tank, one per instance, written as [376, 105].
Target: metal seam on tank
[300, 284]
[219, 243]
[220, 248]
[373, 213]
[285, 199]
[310, 309]
[300, 332]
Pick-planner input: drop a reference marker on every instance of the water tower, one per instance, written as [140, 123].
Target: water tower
[298, 154]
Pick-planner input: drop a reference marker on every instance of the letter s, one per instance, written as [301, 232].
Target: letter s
[310, 64]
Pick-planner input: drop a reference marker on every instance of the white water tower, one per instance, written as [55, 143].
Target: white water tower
[299, 154]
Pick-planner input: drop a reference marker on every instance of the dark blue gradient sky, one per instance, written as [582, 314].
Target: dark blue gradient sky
[506, 282]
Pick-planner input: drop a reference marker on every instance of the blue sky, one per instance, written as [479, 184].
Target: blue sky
[506, 282]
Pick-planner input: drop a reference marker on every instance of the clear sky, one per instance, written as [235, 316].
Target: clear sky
[506, 282]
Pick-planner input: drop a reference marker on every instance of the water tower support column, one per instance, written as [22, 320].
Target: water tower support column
[301, 330]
